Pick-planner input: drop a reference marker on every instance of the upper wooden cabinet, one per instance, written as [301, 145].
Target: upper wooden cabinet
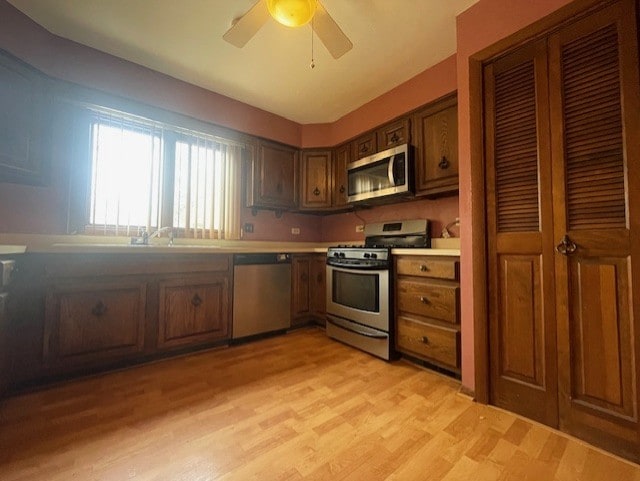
[316, 179]
[25, 122]
[393, 134]
[340, 187]
[435, 134]
[272, 176]
[364, 145]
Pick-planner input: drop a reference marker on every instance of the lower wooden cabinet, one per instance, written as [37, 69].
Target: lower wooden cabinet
[193, 309]
[105, 309]
[427, 293]
[88, 322]
[308, 280]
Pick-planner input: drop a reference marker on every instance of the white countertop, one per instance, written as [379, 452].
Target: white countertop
[9, 249]
[78, 244]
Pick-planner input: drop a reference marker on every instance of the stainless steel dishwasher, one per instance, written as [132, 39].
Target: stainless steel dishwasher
[261, 294]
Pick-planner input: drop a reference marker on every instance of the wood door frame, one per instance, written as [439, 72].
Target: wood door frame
[545, 26]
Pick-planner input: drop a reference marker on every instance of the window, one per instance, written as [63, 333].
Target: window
[148, 175]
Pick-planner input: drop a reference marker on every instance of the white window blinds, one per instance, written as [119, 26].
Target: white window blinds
[148, 175]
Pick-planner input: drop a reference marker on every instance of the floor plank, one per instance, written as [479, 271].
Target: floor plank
[295, 407]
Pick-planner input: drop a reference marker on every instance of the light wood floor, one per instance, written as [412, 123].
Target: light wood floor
[293, 407]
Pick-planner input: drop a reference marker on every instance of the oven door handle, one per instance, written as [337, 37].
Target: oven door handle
[356, 331]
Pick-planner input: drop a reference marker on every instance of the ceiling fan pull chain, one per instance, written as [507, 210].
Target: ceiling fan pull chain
[312, 62]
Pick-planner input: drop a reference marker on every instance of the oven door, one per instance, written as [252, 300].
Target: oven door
[359, 295]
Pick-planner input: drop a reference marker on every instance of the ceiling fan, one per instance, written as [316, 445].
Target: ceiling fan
[292, 13]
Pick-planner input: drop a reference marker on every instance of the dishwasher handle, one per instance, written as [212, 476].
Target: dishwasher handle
[261, 258]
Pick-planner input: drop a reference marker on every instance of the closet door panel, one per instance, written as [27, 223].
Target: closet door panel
[593, 90]
[523, 374]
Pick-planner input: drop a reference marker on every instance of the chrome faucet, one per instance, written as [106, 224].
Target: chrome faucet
[145, 237]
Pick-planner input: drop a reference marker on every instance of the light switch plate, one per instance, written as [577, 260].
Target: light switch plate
[295, 230]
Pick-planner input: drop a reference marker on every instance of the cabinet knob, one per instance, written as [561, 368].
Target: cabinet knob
[196, 300]
[423, 268]
[394, 137]
[424, 300]
[425, 340]
[444, 163]
[316, 191]
[364, 148]
[99, 309]
[342, 189]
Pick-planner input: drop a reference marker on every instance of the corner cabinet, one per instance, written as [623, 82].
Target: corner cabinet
[428, 309]
[436, 141]
[272, 176]
[316, 179]
[25, 122]
[308, 281]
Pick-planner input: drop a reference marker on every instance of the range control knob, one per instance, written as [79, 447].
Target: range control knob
[336, 255]
[366, 255]
[342, 254]
[374, 255]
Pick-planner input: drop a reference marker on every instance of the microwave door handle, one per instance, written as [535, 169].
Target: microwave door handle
[392, 162]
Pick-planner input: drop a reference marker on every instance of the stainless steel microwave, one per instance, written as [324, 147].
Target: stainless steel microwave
[385, 174]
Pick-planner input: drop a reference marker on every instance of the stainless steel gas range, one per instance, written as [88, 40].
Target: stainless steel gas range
[360, 285]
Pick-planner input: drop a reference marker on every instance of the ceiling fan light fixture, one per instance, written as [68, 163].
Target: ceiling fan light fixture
[292, 13]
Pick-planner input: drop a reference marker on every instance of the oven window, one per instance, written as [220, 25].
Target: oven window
[357, 290]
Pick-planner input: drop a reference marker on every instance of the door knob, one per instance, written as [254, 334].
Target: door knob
[566, 246]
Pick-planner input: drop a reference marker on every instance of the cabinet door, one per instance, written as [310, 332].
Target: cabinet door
[436, 138]
[596, 147]
[393, 134]
[341, 158]
[317, 294]
[274, 177]
[91, 322]
[193, 309]
[363, 146]
[300, 308]
[25, 122]
[316, 179]
[520, 243]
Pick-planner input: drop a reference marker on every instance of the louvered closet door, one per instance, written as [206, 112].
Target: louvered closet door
[594, 125]
[522, 326]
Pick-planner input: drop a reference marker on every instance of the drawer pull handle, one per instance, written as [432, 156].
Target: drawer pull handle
[196, 300]
[342, 189]
[423, 268]
[444, 163]
[424, 300]
[394, 137]
[99, 309]
[425, 340]
[316, 192]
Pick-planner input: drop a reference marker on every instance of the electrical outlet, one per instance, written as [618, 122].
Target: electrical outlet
[248, 228]
[295, 230]
[360, 228]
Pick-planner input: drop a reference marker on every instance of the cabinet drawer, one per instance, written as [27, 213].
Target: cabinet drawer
[428, 267]
[428, 342]
[429, 299]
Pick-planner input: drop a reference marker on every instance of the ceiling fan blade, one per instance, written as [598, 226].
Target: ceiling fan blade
[330, 33]
[248, 25]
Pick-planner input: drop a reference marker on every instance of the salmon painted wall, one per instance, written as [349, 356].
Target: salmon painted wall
[429, 85]
[341, 227]
[482, 25]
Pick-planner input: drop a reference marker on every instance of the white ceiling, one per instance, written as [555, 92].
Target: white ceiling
[394, 40]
